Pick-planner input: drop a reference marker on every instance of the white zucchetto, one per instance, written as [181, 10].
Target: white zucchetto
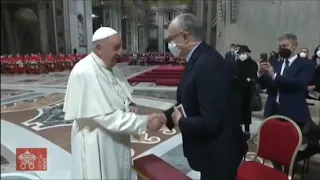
[103, 33]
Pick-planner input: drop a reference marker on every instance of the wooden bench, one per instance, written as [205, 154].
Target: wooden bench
[151, 167]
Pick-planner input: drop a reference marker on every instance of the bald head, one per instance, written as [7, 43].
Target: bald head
[188, 23]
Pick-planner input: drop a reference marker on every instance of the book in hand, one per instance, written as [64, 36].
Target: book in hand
[180, 108]
[314, 94]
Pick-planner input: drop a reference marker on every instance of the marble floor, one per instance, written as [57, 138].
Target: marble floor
[31, 116]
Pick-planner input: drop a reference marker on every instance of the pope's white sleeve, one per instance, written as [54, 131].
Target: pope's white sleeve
[123, 122]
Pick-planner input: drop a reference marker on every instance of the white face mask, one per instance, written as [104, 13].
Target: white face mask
[318, 53]
[236, 51]
[174, 49]
[303, 54]
[232, 49]
[243, 57]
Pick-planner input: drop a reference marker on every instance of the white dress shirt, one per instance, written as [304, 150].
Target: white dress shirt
[318, 61]
[281, 72]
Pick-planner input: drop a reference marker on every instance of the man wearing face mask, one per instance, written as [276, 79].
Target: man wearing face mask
[246, 75]
[210, 135]
[314, 85]
[287, 82]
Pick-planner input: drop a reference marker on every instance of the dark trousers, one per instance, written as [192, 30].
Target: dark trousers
[245, 113]
[277, 111]
[225, 171]
[221, 167]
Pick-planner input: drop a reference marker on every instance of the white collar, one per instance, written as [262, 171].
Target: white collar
[292, 59]
[98, 60]
[191, 52]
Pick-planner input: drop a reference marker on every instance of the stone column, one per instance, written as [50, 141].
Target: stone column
[146, 32]
[107, 16]
[88, 23]
[115, 15]
[66, 19]
[128, 35]
[160, 19]
[200, 10]
[8, 28]
[209, 20]
[3, 49]
[55, 31]
[134, 30]
[119, 16]
[42, 15]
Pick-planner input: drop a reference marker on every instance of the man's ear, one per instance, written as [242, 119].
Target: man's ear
[98, 46]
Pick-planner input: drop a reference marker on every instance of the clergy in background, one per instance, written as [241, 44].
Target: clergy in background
[99, 100]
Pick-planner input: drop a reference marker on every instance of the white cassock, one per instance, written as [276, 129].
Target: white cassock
[98, 100]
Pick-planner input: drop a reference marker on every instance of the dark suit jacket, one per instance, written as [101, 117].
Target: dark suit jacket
[229, 57]
[209, 134]
[316, 75]
[316, 78]
[273, 61]
[291, 87]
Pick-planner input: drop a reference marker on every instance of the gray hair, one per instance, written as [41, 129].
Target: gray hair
[95, 43]
[189, 23]
[289, 36]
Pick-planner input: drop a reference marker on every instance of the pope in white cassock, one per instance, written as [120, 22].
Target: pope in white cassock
[98, 99]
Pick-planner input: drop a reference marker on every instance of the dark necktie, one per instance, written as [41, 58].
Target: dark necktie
[286, 66]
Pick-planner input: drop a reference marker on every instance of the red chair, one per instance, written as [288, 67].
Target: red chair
[279, 139]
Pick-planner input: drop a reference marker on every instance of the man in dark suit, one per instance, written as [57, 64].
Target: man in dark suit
[229, 56]
[287, 82]
[210, 136]
[232, 55]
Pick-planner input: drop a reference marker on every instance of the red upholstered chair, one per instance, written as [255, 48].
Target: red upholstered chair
[151, 167]
[279, 139]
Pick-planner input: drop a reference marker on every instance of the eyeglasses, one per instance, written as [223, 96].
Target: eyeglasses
[170, 38]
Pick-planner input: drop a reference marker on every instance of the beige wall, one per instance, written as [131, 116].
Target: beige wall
[259, 24]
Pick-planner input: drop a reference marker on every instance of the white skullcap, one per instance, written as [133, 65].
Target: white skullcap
[103, 33]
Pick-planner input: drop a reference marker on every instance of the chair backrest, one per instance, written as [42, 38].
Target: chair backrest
[279, 139]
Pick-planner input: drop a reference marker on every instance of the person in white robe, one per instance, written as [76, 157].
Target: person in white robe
[98, 99]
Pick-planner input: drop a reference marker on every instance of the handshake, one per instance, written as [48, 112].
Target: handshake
[156, 121]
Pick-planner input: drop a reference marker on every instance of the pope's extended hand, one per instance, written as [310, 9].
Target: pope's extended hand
[156, 121]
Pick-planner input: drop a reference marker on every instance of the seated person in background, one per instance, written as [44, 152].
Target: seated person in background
[286, 83]
[75, 51]
[314, 85]
[304, 54]
[246, 75]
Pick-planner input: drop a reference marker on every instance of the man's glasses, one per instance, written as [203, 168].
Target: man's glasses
[170, 38]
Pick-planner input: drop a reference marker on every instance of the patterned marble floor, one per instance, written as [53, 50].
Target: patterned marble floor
[31, 116]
